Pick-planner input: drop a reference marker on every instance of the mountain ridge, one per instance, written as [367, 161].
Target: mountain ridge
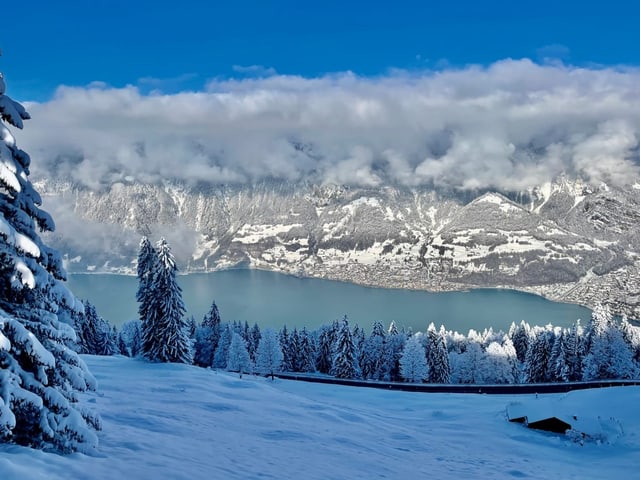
[566, 240]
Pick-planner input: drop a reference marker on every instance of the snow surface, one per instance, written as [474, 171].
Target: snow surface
[182, 422]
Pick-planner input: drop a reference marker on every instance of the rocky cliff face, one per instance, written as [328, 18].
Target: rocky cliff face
[566, 240]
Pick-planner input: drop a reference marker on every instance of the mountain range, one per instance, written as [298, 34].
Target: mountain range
[567, 240]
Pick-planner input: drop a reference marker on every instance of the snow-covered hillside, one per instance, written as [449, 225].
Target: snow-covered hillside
[182, 422]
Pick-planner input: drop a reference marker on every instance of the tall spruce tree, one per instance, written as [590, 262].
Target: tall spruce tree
[40, 376]
[165, 335]
[437, 355]
[413, 363]
[324, 353]
[206, 337]
[269, 353]
[345, 354]
[147, 259]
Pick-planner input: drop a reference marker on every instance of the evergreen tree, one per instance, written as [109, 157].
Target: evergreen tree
[147, 259]
[469, 367]
[498, 366]
[269, 353]
[631, 336]
[222, 350]
[556, 367]
[288, 359]
[571, 367]
[238, 356]
[437, 356]
[608, 355]
[373, 353]
[293, 351]
[254, 341]
[520, 336]
[94, 333]
[40, 376]
[538, 354]
[206, 337]
[130, 338]
[413, 363]
[393, 347]
[324, 354]
[164, 332]
[345, 356]
[307, 352]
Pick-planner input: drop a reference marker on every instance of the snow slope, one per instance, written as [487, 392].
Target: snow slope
[181, 422]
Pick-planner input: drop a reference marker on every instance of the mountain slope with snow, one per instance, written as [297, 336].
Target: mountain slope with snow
[182, 422]
[567, 240]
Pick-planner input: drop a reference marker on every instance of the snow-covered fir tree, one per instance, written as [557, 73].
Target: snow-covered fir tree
[94, 333]
[222, 350]
[608, 355]
[373, 353]
[498, 366]
[147, 259]
[269, 353]
[469, 366]
[437, 355]
[520, 336]
[207, 336]
[345, 354]
[130, 338]
[413, 362]
[393, 347]
[238, 359]
[288, 355]
[307, 354]
[324, 353]
[571, 365]
[253, 341]
[536, 361]
[40, 376]
[165, 336]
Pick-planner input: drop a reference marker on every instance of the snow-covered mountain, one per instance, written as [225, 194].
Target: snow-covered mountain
[567, 240]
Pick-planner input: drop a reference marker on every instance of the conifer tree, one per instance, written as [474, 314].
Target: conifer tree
[345, 356]
[608, 355]
[221, 354]
[147, 259]
[571, 368]
[269, 353]
[520, 336]
[393, 347]
[537, 358]
[238, 356]
[40, 376]
[413, 362]
[373, 353]
[130, 338]
[307, 351]
[288, 359]
[164, 332]
[206, 337]
[324, 355]
[437, 355]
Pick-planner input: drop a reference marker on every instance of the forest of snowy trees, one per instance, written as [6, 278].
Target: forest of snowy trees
[605, 348]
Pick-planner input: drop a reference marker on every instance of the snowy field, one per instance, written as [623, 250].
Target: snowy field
[181, 422]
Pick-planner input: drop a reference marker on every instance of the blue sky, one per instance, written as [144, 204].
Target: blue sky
[175, 46]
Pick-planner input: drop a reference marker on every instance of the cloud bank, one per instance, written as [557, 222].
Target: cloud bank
[510, 126]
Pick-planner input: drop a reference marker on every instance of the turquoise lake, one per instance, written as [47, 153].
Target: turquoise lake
[273, 299]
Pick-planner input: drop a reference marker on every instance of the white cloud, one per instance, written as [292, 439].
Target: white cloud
[511, 125]
[256, 70]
